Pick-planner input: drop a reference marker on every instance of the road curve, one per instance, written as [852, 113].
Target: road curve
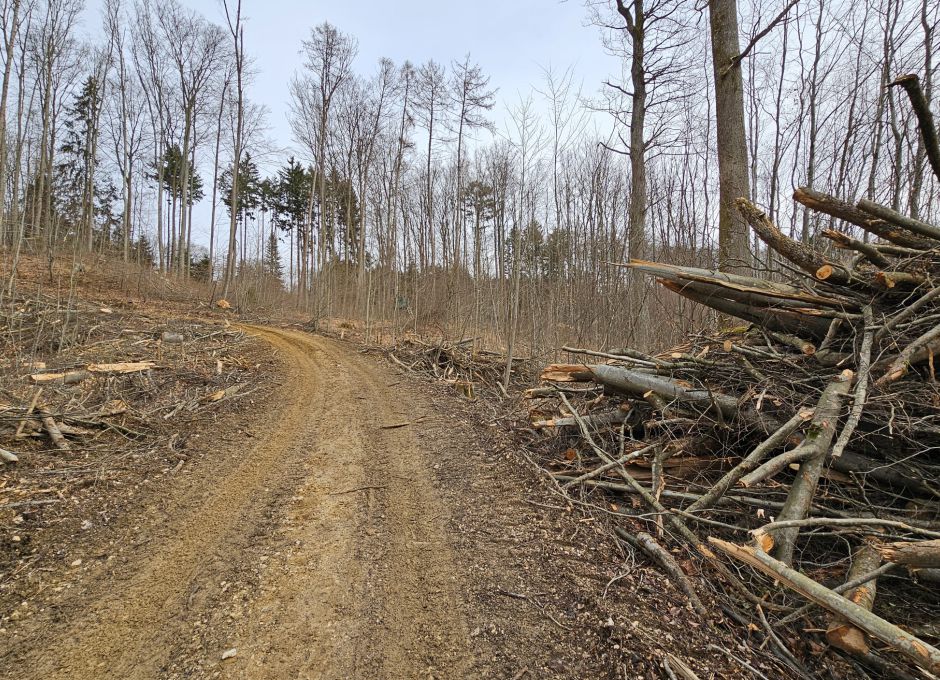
[317, 549]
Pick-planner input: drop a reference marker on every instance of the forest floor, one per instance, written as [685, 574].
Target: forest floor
[345, 521]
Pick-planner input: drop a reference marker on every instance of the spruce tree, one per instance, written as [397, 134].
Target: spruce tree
[272, 258]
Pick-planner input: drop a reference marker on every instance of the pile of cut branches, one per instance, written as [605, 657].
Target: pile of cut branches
[472, 372]
[796, 455]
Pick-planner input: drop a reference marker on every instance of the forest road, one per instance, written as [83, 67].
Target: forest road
[318, 551]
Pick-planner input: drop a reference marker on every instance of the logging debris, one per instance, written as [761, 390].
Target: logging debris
[802, 447]
[473, 373]
[73, 450]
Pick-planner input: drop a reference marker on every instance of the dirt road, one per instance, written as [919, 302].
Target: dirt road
[353, 522]
[333, 515]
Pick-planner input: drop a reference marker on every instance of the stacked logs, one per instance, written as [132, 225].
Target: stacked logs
[812, 429]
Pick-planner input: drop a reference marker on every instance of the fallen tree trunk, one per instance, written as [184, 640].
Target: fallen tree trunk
[928, 132]
[816, 444]
[919, 555]
[737, 285]
[122, 367]
[567, 373]
[835, 207]
[52, 428]
[871, 253]
[916, 650]
[66, 378]
[888, 215]
[841, 633]
[631, 382]
[923, 348]
[804, 257]
[799, 321]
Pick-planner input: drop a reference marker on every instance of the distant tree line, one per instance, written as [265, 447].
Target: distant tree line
[403, 203]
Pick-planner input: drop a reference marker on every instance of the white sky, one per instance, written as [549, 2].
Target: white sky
[512, 40]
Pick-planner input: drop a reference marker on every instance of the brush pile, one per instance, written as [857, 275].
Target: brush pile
[796, 456]
[472, 372]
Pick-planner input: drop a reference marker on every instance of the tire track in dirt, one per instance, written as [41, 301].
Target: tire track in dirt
[366, 587]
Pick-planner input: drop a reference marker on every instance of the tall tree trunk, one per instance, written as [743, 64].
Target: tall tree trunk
[215, 182]
[160, 179]
[813, 117]
[184, 184]
[238, 38]
[4, 95]
[733, 183]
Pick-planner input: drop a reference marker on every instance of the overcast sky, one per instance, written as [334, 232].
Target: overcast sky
[512, 40]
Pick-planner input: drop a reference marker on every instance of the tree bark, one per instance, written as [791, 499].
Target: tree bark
[733, 179]
[817, 443]
[918, 651]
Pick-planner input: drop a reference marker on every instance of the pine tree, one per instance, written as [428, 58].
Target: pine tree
[143, 251]
[249, 189]
[75, 186]
[272, 259]
[173, 164]
[291, 190]
[108, 220]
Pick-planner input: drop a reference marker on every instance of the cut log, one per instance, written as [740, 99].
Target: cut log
[908, 311]
[817, 442]
[798, 321]
[892, 279]
[871, 253]
[893, 217]
[738, 286]
[924, 347]
[759, 303]
[66, 378]
[597, 420]
[52, 429]
[804, 257]
[122, 367]
[841, 633]
[919, 652]
[797, 343]
[918, 555]
[567, 373]
[631, 382]
[830, 205]
[32, 406]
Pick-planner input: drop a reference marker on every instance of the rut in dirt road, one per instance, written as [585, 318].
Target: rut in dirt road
[362, 585]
